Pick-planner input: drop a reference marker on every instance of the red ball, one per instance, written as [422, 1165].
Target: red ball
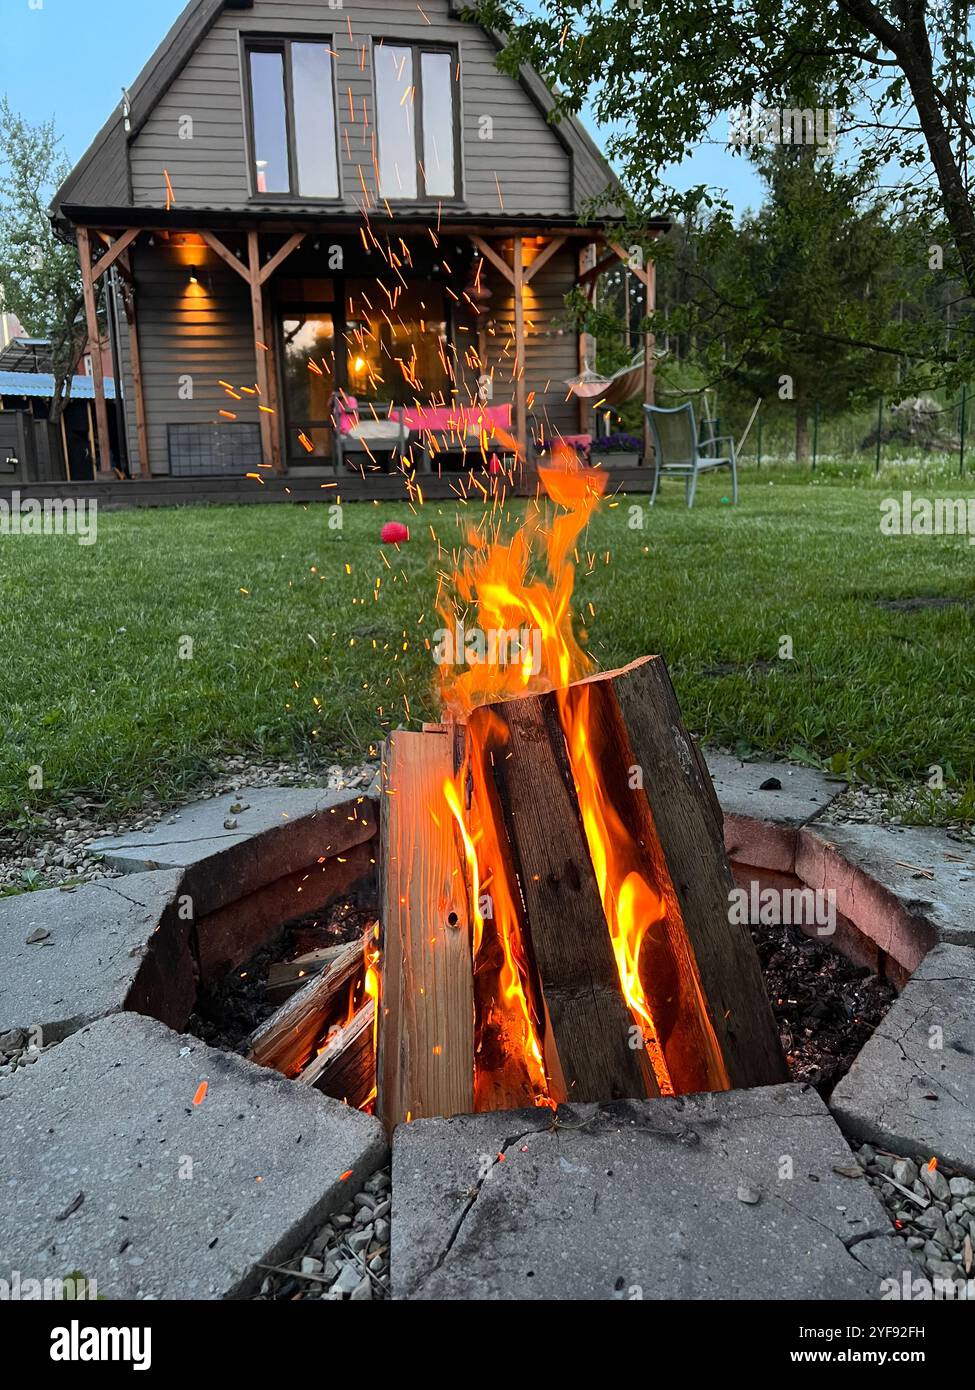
[395, 533]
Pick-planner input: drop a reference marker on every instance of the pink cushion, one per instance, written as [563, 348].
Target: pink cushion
[457, 419]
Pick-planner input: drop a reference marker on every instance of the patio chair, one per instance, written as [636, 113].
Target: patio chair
[362, 433]
[678, 453]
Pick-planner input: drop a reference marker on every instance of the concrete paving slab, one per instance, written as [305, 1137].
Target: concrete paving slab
[912, 1088]
[728, 1196]
[229, 854]
[118, 1164]
[69, 958]
[906, 888]
[761, 826]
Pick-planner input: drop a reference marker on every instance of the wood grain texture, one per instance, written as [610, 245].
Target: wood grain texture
[426, 1035]
[650, 734]
[590, 1024]
[346, 1067]
[287, 1040]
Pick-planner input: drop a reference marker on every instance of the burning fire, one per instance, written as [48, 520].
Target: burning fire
[526, 583]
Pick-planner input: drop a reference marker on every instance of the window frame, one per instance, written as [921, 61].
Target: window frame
[417, 49]
[282, 44]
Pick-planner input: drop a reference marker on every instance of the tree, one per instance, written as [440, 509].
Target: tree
[40, 275]
[898, 72]
[807, 292]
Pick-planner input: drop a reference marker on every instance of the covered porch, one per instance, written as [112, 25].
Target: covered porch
[236, 340]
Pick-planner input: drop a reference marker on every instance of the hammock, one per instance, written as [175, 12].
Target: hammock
[623, 386]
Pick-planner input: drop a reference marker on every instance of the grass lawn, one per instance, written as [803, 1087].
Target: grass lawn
[295, 648]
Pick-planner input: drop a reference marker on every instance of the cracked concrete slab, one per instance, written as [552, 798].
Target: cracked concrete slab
[71, 957]
[761, 826]
[906, 889]
[912, 1088]
[118, 1163]
[227, 854]
[726, 1196]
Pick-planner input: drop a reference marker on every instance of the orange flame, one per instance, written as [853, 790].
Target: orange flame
[510, 589]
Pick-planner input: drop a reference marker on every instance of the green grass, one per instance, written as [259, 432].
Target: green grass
[293, 653]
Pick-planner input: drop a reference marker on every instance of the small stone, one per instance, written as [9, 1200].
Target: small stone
[330, 1271]
[40, 934]
[231, 823]
[311, 1266]
[750, 1195]
[904, 1172]
[383, 1209]
[961, 1187]
[348, 1281]
[360, 1240]
[382, 1230]
[363, 1294]
[364, 1199]
[377, 1264]
[944, 1269]
[771, 784]
[932, 1251]
[341, 1222]
[915, 1243]
[935, 1182]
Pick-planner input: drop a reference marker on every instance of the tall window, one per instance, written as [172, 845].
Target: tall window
[292, 107]
[417, 118]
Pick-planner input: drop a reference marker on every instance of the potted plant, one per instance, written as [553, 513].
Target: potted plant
[617, 451]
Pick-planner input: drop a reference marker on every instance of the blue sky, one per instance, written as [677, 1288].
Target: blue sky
[53, 65]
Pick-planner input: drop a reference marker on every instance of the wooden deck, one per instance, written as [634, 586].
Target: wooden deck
[189, 492]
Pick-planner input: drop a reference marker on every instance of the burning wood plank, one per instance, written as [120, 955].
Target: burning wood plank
[346, 1066]
[426, 1041]
[287, 1039]
[599, 1051]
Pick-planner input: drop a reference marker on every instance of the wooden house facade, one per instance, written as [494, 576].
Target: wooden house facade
[301, 202]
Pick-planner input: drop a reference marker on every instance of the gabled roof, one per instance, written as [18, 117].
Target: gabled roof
[101, 179]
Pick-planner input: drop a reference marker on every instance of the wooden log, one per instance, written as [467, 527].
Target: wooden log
[700, 967]
[287, 1040]
[285, 978]
[346, 1066]
[426, 1039]
[591, 1027]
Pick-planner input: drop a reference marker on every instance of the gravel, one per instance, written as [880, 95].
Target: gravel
[935, 1215]
[347, 1260]
[863, 805]
[51, 850]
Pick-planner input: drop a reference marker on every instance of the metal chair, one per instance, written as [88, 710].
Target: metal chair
[678, 453]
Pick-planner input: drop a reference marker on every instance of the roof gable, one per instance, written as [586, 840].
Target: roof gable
[108, 176]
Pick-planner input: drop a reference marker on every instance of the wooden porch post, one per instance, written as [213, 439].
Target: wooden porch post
[135, 356]
[587, 262]
[104, 460]
[521, 390]
[268, 424]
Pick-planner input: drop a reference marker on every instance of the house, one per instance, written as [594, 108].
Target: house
[301, 202]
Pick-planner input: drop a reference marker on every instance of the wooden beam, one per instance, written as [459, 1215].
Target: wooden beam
[639, 271]
[261, 352]
[104, 457]
[590, 276]
[346, 1067]
[286, 1041]
[568, 939]
[216, 245]
[278, 452]
[426, 1036]
[521, 386]
[281, 256]
[117, 248]
[544, 256]
[135, 355]
[698, 963]
[499, 263]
